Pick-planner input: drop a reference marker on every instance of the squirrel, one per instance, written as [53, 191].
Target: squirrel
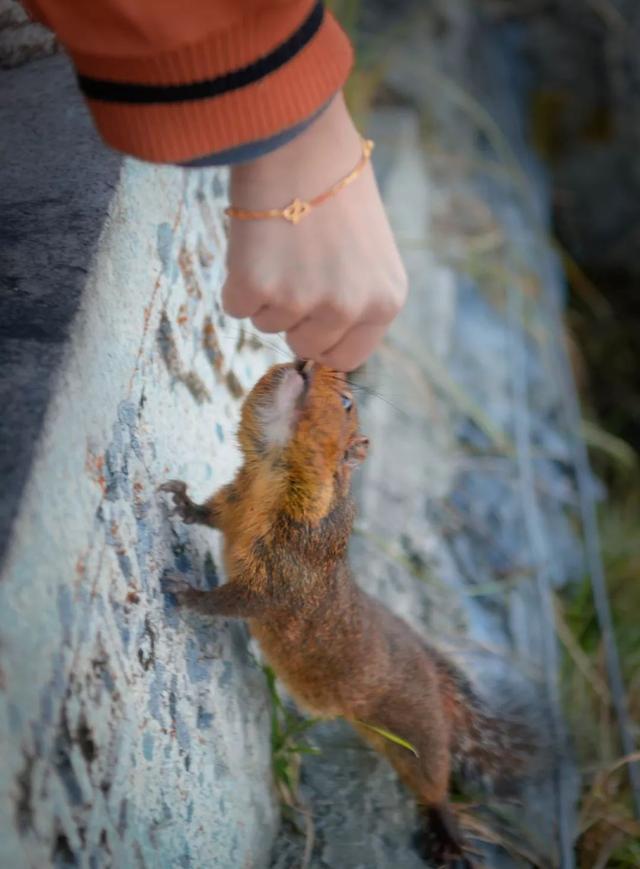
[286, 519]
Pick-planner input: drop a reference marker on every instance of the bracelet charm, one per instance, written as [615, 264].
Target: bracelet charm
[296, 211]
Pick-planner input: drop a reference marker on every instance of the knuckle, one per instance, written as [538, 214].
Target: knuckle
[401, 284]
[265, 291]
[263, 317]
[341, 360]
[233, 301]
[299, 347]
[242, 297]
[295, 306]
[267, 323]
[283, 317]
[392, 300]
[398, 285]
[342, 308]
[304, 346]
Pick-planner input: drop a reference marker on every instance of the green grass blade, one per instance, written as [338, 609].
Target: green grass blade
[387, 734]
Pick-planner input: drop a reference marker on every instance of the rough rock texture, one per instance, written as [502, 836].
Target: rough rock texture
[21, 39]
[132, 735]
[468, 499]
[52, 211]
[129, 735]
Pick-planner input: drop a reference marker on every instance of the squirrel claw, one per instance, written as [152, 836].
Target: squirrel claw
[173, 585]
[181, 511]
[177, 487]
[183, 506]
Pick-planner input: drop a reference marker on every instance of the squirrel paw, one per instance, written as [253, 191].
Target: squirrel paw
[175, 585]
[176, 486]
[183, 506]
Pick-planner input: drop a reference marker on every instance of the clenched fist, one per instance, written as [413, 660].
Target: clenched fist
[333, 282]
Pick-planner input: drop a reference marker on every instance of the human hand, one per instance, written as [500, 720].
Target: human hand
[333, 282]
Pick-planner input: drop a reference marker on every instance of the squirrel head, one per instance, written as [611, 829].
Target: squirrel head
[301, 422]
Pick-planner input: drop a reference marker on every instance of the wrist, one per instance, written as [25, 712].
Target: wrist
[304, 167]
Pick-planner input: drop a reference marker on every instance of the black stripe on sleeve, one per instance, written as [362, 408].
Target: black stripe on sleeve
[129, 92]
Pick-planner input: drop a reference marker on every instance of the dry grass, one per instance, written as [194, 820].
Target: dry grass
[608, 834]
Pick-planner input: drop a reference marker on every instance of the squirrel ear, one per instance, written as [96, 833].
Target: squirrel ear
[356, 451]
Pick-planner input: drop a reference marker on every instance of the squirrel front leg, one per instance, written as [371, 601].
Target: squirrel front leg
[190, 512]
[231, 599]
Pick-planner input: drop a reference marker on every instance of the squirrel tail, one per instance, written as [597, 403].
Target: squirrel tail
[490, 752]
[440, 840]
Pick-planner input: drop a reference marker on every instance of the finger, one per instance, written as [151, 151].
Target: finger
[354, 347]
[312, 337]
[325, 326]
[278, 318]
[241, 300]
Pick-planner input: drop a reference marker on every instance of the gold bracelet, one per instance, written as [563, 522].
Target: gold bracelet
[299, 208]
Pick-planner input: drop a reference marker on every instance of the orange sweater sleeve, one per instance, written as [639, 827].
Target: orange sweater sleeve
[172, 80]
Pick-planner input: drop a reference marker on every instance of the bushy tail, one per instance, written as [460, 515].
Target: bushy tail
[490, 751]
[440, 840]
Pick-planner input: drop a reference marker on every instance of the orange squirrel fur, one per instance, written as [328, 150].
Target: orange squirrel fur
[286, 520]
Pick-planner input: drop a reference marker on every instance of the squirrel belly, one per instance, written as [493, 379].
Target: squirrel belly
[287, 519]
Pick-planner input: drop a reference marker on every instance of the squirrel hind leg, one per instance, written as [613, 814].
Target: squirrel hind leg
[440, 840]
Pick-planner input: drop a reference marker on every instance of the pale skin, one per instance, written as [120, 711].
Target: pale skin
[332, 283]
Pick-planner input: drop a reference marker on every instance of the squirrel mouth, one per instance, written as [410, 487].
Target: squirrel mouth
[304, 369]
[281, 413]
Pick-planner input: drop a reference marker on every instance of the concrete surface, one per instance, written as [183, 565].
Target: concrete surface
[22, 39]
[52, 211]
[129, 737]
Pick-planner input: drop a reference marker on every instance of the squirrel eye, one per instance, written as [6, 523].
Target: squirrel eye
[347, 402]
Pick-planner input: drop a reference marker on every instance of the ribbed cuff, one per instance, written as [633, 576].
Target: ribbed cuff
[178, 131]
[250, 151]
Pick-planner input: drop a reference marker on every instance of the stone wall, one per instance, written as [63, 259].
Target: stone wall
[129, 735]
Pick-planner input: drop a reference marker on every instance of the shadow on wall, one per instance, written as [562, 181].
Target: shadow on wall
[56, 182]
